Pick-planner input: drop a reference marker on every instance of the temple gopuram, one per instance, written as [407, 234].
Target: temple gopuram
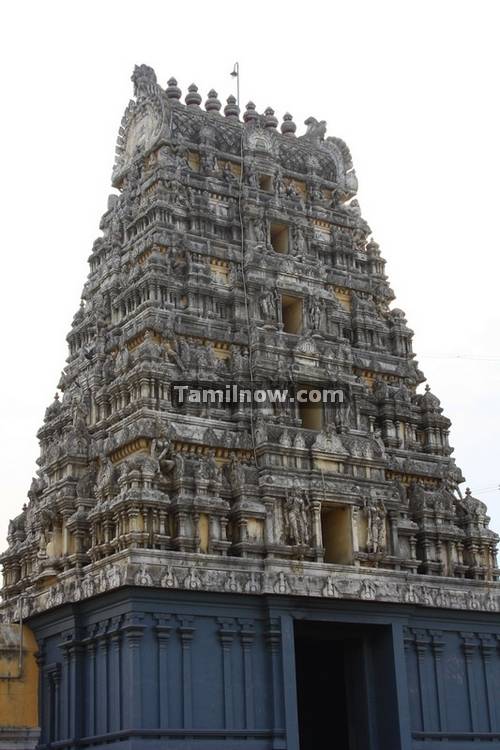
[210, 575]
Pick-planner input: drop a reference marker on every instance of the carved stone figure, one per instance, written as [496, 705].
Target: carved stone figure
[38, 485]
[213, 470]
[380, 442]
[315, 311]
[296, 517]
[299, 244]
[144, 80]
[315, 130]
[268, 302]
[376, 527]
[86, 484]
[258, 231]
[236, 473]
[106, 475]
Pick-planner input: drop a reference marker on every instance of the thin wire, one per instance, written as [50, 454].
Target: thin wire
[245, 293]
[479, 358]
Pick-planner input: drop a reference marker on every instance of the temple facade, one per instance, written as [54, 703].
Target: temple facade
[219, 573]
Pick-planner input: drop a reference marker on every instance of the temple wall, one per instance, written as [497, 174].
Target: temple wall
[18, 687]
[214, 671]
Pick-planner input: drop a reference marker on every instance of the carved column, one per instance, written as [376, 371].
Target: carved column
[102, 683]
[393, 520]
[227, 631]
[181, 519]
[116, 677]
[469, 646]
[316, 523]
[75, 649]
[133, 629]
[247, 637]
[56, 683]
[186, 632]
[90, 723]
[242, 529]
[413, 547]
[63, 724]
[422, 642]
[440, 555]
[273, 638]
[488, 652]
[213, 531]
[355, 530]
[66, 536]
[223, 531]
[397, 432]
[437, 646]
[197, 537]
[269, 526]
[163, 630]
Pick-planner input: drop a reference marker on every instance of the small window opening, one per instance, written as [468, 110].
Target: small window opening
[291, 312]
[279, 238]
[336, 526]
[266, 182]
[311, 416]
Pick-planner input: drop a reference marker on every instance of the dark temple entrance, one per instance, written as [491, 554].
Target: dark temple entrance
[346, 694]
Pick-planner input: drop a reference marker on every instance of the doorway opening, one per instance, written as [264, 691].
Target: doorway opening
[339, 701]
[321, 694]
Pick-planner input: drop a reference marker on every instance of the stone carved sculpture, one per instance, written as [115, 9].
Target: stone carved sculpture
[376, 535]
[316, 130]
[144, 80]
[268, 305]
[315, 311]
[297, 531]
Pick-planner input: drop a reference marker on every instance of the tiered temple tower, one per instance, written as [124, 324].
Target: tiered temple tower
[167, 551]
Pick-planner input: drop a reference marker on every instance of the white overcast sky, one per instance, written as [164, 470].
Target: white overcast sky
[412, 87]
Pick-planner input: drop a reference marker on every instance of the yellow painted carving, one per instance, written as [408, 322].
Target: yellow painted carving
[203, 532]
[326, 464]
[194, 161]
[255, 529]
[135, 446]
[343, 295]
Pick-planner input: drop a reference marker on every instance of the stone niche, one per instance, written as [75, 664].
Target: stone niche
[279, 235]
[292, 314]
[266, 182]
[336, 525]
[311, 415]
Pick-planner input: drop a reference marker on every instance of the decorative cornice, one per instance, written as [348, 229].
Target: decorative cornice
[212, 573]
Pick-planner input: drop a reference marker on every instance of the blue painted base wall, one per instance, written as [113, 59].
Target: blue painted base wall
[144, 668]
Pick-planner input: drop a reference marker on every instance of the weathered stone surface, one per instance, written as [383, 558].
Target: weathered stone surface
[217, 226]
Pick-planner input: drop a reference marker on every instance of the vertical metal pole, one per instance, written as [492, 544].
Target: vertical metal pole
[236, 74]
